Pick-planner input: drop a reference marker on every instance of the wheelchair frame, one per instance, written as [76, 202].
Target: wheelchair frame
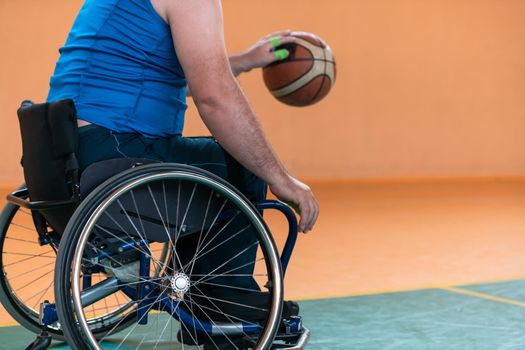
[295, 332]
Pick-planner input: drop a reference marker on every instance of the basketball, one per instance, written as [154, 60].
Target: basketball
[306, 76]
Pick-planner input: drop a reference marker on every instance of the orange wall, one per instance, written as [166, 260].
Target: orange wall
[425, 87]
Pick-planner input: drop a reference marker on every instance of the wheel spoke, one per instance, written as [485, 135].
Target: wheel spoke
[32, 256]
[136, 247]
[233, 287]
[24, 227]
[166, 230]
[202, 229]
[41, 291]
[24, 211]
[200, 249]
[37, 279]
[124, 231]
[228, 316]
[170, 319]
[35, 305]
[139, 279]
[141, 318]
[223, 242]
[227, 273]
[33, 270]
[226, 262]
[229, 301]
[196, 319]
[21, 240]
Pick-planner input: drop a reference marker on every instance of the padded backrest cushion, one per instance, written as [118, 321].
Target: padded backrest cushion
[49, 134]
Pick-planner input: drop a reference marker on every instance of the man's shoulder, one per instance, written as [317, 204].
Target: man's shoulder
[161, 7]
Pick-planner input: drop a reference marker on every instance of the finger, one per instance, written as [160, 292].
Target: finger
[305, 213]
[308, 219]
[275, 41]
[317, 212]
[279, 33]
[312, 217]
[315, 215]
[282, 54]
[288, 40]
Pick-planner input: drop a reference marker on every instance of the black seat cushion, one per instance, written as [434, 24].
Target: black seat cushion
[141, 209]
[98, 172]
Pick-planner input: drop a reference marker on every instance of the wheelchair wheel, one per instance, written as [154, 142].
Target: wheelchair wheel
[27, 272]
[188, 294]
[27, 269]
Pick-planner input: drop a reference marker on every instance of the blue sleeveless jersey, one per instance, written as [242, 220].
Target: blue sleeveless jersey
[120, 68]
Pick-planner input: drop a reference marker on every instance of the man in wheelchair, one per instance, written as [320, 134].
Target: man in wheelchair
[152, 227]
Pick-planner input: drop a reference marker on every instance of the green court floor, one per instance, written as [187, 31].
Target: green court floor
[477, 317]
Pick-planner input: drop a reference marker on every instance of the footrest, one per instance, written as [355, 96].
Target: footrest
[291, 335]
[295, 341]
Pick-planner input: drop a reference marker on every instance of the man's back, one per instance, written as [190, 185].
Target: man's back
[120, 68]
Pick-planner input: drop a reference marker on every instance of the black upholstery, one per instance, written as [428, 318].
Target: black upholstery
[49, 143]
[49, 136]
[97, 173]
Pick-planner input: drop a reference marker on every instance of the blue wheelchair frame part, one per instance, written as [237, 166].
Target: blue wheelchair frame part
[292, 228]
[147, 293]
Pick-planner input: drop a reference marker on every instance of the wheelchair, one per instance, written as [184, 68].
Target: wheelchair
[113, 257]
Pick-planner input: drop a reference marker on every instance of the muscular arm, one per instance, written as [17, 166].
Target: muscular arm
[238, 65]
[217, 95]
[197, 30]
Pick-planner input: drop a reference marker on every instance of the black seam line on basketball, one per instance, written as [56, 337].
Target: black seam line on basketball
[317, 76]
[319, 89]
[322, 82]
[293, 81]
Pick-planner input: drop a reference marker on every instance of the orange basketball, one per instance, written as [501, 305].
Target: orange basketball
[306, 76]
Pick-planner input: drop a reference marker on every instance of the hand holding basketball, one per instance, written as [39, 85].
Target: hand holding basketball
[306, 76]
[263, 52]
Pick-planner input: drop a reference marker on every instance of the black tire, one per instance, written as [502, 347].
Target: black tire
[86, 222]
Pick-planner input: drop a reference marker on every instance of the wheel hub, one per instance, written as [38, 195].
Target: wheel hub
[180, 283]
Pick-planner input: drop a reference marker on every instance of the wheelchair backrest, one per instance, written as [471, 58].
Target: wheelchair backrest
[49, 143]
